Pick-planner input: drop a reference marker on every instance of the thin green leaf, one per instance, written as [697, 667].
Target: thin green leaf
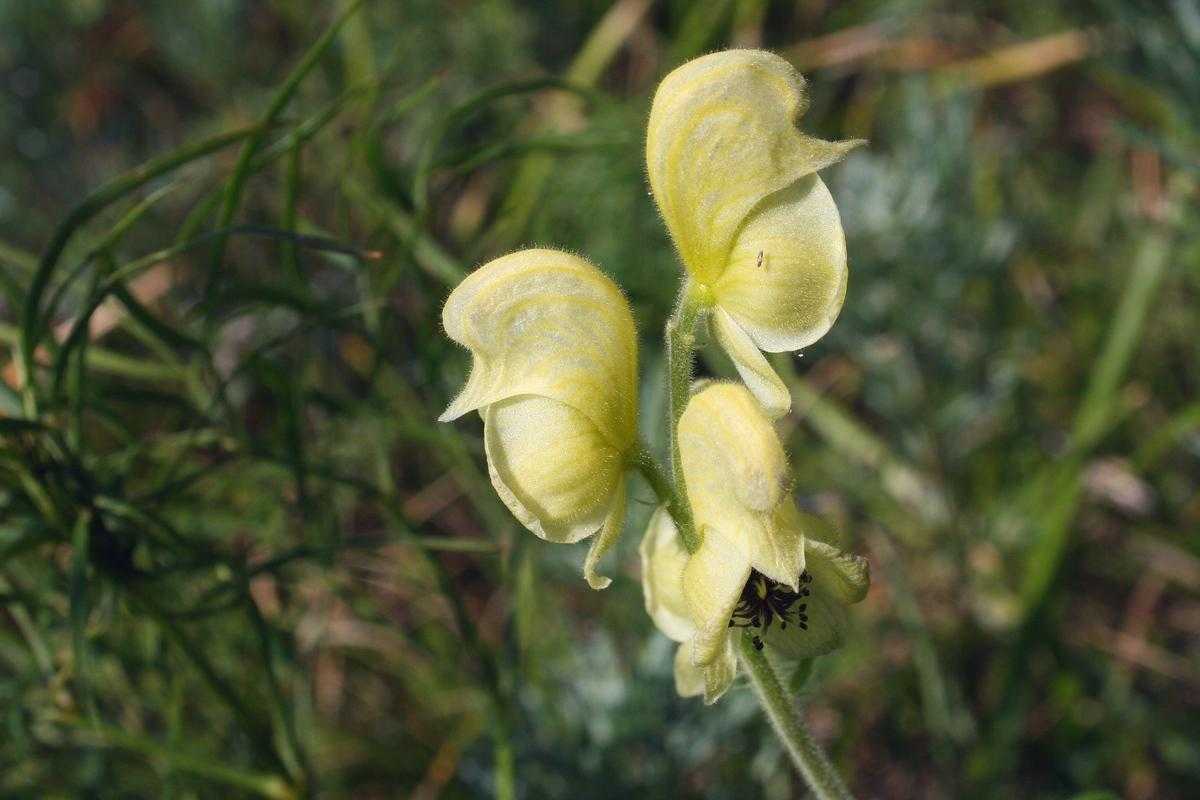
[97, 201]
[456, 116]
[79, 611]
[241, 172]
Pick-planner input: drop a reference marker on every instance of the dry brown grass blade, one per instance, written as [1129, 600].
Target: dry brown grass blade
[870, 46]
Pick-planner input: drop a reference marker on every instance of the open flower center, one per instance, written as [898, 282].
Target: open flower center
[763, 600]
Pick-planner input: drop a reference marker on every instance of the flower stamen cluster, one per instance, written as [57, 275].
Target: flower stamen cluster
[763, 600]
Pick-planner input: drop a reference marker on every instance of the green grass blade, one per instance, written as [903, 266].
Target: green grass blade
[31, 330]
[1054, 521]
[79, 612]
[208, 767]
[1178, 428]
[853, 440]
[585, 70]
[426, 251]
[232, 197]
[459, 114]
[1119, 346]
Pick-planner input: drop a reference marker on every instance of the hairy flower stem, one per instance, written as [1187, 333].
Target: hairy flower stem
[645, 463]
[681, 350]
[810, 761]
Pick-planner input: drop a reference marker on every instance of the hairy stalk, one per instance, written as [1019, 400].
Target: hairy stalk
[810, 761]
[645, 463]
[681, 350]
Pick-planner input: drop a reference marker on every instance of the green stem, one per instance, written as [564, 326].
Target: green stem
[645, 463]
[505, 781]
[811, 762]
[681, 351]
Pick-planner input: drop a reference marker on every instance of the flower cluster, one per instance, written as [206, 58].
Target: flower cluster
[554, 375]
[759, 563]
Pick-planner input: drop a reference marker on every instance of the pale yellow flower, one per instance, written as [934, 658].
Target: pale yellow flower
[554, 377]
[663, 563]
[757, 230]
[759, 564]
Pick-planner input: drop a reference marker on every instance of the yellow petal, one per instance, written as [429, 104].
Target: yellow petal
[547, 323]
[729, 448]
[614, 522]
[760, 378]
[712, 583]
[789, 542]
[736, 476]
[689, 678]
[711, 680]
[663, 560]
[551, 466]
[721, 137]
[786, 278]
[719, 675]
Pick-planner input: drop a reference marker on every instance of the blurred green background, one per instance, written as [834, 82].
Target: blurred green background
[239, 558]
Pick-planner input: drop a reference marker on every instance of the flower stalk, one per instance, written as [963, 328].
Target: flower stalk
[665, 490]
[806, 754]
[681, 351]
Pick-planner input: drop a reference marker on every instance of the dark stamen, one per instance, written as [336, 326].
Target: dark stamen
[763, 600]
